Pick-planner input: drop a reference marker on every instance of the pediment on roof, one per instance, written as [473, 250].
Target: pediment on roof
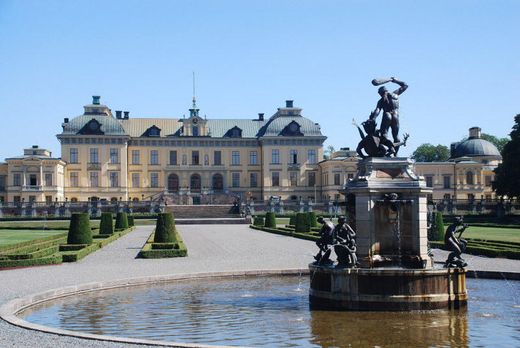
[292, 129]
[234, 132]
[153, 131]
[92, 127]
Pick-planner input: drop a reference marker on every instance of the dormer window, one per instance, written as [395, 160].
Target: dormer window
[153, 131]
[195, 131]
[92, 127]
[292, 129]
[234, 132]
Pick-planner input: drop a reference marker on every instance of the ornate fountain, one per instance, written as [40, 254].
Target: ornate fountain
[387, 207]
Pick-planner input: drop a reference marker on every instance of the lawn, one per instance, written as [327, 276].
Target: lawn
[51, 224]
[493, 233]
[9, 237]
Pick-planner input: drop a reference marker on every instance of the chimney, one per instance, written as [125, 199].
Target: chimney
[95, 99]
[127, 115]
[260, 116]
[288, 103]
[66, 120]
[118, 114]
[35, 146]
[474, 133]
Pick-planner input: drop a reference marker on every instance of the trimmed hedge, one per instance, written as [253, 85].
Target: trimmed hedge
[292, 220]
[131, 222]
[258, 221]
[302, 223]
[270, 219]
[121, 221]
[106, 225]
[79, 229]
[477, 247]
[165, 231]
[313, 222]
[439, 227]
[48, 260]
[305, 236]
[152, 250]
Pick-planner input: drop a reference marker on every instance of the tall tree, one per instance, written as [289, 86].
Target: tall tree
[507, 174]
[498, 142]
[329, 150]
[431, 153]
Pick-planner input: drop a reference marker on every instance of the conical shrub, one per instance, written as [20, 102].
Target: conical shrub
[131, 222]
[439, 226]
[79, 229]
[270, 220]
[107, 223]
[302, 223]
[121, 221]
[165, 229]
[312, 219]
[292, 220]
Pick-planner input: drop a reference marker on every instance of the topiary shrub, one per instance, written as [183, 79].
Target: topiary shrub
[258, 221]
[439, 227]
[121, 221]
[165, 229]
[131, 222]
[270, 220]
[107, 223]
[312, 219]
[292, 220]
[79, 229]
[302, 223]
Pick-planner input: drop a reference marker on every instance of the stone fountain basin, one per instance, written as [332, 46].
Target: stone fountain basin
[386, 289]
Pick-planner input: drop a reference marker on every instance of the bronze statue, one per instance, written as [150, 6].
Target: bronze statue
[345, 246]
[455, 244]
[326, 239]
[389, 103]
[373, 143]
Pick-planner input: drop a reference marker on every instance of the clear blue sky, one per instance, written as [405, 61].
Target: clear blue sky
[461, 60]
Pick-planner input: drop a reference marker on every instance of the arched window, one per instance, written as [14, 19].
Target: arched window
[469, 178]
[73, 199]
[173, 183]
[195, 183]
[195, 131]
[135, 199]
[217, 182]
[113, 199]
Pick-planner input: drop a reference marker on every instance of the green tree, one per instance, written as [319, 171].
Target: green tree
[329, 150]
[498, 142]
[79, 229]
[431, 153]
[507, 174]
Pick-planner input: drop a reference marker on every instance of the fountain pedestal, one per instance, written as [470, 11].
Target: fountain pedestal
[387, 207]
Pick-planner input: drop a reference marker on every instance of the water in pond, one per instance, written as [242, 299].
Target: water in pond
[273, 311]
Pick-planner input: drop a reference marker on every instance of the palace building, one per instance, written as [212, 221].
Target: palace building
[188, 160]
[200, 160]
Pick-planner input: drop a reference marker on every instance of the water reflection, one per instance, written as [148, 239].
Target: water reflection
[273, 311]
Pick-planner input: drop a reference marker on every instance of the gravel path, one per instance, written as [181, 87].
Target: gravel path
[211, 248]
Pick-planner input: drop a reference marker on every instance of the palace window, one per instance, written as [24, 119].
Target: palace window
[293, 178]
[17, 179]
[235, 179]
[94, 179]
[275, 156]
[429, 181]
[173, 158]
[195, 158]
[253, 157]
[73, 155]
[275, 179]
[154, 157]
[114, 179]
[337, 179]
[217, 158]
[94, 156]
[311, 156]
[293, 157]
[311, 179]
[487, 180]
[73, 178]
[253, 179]
[446, 182]
[154, 180]
[48, 179]
[235, 158]
[114, 156]
[136, 180]
[136, 157]
[469, 178]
